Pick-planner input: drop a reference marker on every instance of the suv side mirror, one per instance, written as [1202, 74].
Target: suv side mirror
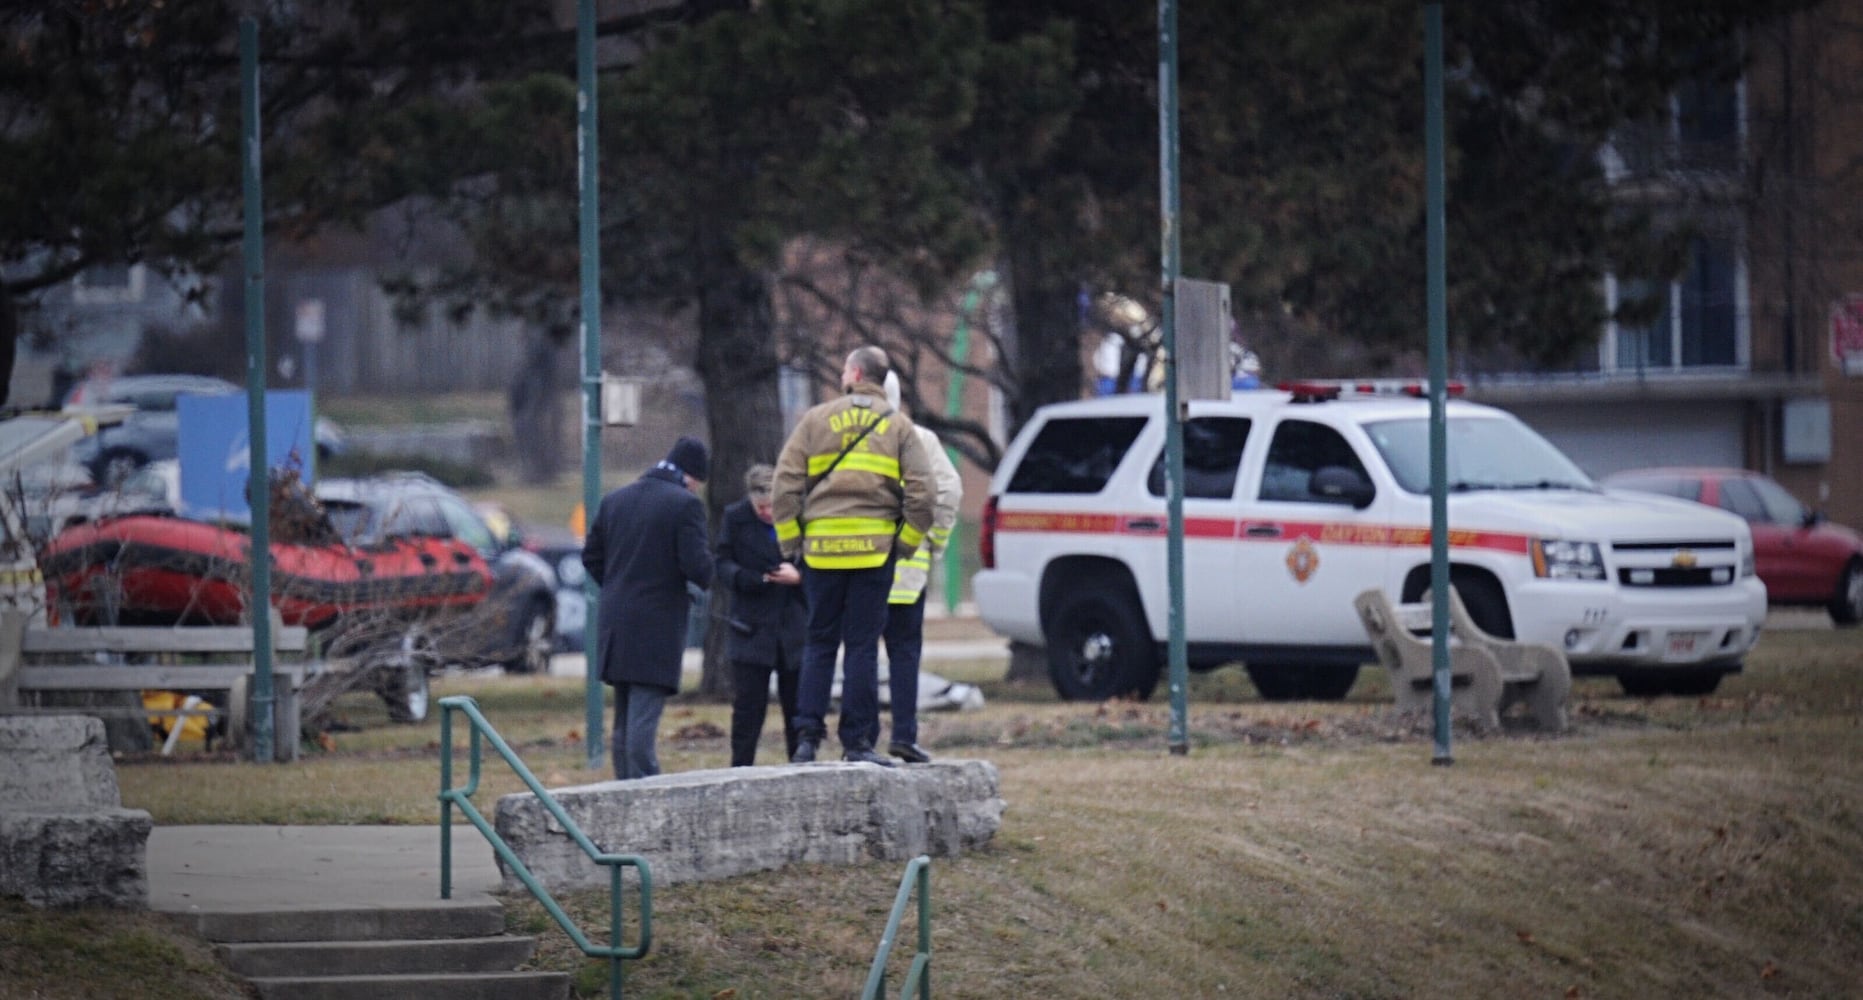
[1339, 484]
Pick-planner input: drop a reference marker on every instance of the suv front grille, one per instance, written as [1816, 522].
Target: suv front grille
[1688, 563]
[1700, 576]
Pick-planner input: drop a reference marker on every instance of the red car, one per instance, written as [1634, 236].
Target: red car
[1801, 557]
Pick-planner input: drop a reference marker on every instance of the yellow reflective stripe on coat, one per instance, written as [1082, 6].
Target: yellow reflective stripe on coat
[909, 577]
[851, 526]
[848, 542]
[910, 536]
[866, 461]
[846, 562]
[940, 537]
[859, 461]
[846, 553]
[787, 531]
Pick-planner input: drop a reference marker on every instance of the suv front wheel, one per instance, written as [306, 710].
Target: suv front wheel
[1098, 644]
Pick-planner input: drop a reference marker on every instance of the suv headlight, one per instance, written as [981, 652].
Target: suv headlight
[1746, 563]
[1562, 560]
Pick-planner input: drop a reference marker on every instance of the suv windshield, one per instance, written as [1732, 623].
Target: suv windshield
[1484, 454]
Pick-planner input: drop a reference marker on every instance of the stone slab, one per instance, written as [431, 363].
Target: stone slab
[51, 762]
[97, 857]
[700, 825]
[64, 838]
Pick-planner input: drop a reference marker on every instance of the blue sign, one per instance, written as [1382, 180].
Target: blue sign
[214, 449]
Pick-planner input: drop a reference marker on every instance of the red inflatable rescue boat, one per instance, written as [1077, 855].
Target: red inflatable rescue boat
[160, 570]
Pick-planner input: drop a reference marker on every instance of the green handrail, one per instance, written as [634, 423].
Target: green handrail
[918, 872]
[450, 796]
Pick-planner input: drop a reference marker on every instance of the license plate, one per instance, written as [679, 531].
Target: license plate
[1684, 643]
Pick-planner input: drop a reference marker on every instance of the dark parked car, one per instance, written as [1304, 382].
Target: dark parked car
[515, 625]
[150, 433]
[561, 551]
[1802, 558]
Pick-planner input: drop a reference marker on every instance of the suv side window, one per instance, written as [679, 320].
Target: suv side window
[1075, 455]
[1299, 449]
[1212, 453]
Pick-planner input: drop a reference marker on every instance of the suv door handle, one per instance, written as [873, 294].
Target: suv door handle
[1144, 524]
[1262, 531]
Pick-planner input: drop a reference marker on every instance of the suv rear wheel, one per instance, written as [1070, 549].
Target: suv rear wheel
[1099, 646]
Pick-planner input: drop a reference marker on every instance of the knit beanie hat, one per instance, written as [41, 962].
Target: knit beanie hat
[690, 457]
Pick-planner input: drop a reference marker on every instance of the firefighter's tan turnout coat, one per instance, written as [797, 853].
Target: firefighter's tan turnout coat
[878, 498]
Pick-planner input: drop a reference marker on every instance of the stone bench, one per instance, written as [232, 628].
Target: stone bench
[65, 839]
[1487, 675]
[700, 825]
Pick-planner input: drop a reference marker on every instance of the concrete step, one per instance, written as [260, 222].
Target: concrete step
[399, 922]
[464, 986]
[376, 958]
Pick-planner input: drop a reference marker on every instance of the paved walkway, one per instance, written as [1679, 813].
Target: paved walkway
[251, 868]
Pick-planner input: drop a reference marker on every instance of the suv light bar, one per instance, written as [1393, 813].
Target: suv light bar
[1323, 390]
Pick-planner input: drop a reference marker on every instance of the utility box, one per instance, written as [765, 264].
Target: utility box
[620, 401]
[1202, 339]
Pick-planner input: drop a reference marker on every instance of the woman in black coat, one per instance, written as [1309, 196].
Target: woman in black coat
[769, 616]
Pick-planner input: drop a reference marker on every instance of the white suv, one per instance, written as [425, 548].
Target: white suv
[1296, 501]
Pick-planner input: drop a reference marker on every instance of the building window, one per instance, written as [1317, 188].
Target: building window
[1700, 135]
[1703, 323]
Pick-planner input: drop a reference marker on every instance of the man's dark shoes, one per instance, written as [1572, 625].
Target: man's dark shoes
[805, 752]
[865, 755]
[911, 753]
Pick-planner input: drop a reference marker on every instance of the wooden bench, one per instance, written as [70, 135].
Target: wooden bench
[1487, 675]
[219, 663]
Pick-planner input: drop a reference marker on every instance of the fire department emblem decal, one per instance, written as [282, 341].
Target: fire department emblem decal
[1302, 560]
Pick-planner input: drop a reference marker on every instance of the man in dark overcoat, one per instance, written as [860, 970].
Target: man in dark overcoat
[645, 544]
[769, 618]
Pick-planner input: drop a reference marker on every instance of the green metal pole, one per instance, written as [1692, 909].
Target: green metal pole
[1439, 377]
[258, 481]
[981, 282]
[588, 184]
[446, 801]
[1173, 424]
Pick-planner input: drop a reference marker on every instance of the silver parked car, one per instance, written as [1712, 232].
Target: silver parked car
[151, 432]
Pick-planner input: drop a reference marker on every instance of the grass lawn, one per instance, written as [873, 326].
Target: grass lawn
[1669, 847]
